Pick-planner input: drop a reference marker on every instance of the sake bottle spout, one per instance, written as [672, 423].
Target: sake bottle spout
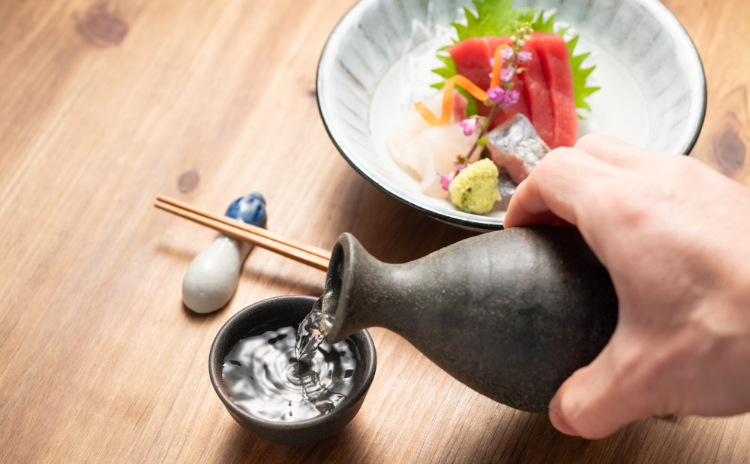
[362, 292]
[353, 278]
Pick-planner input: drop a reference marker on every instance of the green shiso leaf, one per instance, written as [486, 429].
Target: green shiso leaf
[540, 25]
[449, 70]
[498, 18]
[494, 17]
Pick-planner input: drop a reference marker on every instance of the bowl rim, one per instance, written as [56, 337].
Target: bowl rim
[333, 44]
[342, 408]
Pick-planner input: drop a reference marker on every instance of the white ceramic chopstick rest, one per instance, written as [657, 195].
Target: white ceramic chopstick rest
[212, 277]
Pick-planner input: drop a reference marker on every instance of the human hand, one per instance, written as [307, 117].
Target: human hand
[675, 237]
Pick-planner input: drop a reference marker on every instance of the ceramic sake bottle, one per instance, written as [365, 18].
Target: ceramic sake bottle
[511, 313]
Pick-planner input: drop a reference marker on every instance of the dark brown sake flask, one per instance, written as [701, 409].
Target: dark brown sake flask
[511, 314]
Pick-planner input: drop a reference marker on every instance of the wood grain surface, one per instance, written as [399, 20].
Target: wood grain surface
[103, 106]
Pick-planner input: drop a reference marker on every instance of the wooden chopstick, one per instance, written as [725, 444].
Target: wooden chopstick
[247, 227]
[298, 251]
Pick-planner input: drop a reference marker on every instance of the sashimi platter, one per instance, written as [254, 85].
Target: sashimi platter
[449, 106]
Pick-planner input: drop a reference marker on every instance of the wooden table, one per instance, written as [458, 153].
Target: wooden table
[104, 106]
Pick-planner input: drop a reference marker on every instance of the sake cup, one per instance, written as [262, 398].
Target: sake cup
[272, 314]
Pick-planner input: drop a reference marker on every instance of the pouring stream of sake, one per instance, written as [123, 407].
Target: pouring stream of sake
[313, 329]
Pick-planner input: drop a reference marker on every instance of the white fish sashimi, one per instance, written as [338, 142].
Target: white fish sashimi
[404, 147]
[443, 144]
[428, 152]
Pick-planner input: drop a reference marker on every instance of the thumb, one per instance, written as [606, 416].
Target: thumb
[590, 403]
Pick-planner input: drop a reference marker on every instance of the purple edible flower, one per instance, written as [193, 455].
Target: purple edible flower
[506, 74]
[524, 56]
[469, 125]
[492, 62]
[507, 53]
[458, 167]
[509, 99]
[496, 95]
[445, 181]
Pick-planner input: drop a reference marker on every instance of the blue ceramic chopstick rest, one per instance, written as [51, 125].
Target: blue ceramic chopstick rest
[212, 277]
[250, 209]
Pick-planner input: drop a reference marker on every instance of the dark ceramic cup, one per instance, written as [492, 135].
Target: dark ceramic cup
[272, 314]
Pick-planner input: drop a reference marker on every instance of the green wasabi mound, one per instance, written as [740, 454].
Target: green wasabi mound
[474, 189]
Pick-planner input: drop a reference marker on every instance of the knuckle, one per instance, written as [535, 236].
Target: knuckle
[559, 155]
[553, 163]
[559, 161]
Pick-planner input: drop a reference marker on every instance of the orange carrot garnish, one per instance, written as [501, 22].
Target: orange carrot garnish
[426, 114]
[447, 109]
[470, 87]
[496, 67]
[445, 117]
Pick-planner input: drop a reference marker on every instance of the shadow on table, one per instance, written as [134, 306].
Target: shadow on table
[524, 438]
[530, 438]
[243, 447]
[193, 317]
[390, 230]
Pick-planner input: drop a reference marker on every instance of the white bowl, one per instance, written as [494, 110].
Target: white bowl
[653, 86]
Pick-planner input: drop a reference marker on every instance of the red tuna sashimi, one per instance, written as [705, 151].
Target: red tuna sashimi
[556, 64]
[536, 91]
[500, 115]
[518, 84]
[546, 87]
[472, 58]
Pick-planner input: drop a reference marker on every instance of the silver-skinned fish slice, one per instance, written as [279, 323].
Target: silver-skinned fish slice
[517, 147]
